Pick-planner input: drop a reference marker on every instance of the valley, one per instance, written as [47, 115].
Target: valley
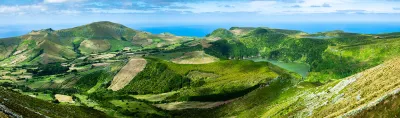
[105, 69]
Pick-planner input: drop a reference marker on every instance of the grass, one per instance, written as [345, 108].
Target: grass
[342, 55]
[32, 107]
[240, 74]
[5, 81]
[228, 79]
[40, 95]
[386, 109]
[40, 82]
[135, 107]
[8, 46]
[251, 104]
[155, 97]
[370, 86]
[189, 105]
[86, 101]
[233, 76]
[342, 61]
[119, 45]
[195, 57]
[94, 46]
[359, 95]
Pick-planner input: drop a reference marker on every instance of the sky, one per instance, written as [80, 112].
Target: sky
[164, 12]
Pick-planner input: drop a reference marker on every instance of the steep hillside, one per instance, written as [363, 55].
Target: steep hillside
[8, 46]
[331, 55]
[216, 81]
[271, 43]
[366, 94]
[48, 45]
[14, 104]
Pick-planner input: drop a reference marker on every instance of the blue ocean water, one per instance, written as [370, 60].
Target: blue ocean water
[197, 31]
[203, 30]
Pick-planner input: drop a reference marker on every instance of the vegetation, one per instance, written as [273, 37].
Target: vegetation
[156, 78]
[90, 80]
[30, 107]
[350, 74]
[67, 44]
[51, 69]
[339, 56]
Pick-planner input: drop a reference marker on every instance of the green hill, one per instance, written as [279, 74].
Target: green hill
[205, 82]
[48, 45]
[371, 93]
[331, 55]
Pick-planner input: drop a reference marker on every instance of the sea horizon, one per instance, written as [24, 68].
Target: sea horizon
[201, 30]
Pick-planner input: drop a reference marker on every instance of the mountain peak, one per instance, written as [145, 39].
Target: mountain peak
[222, 33]
[49, 30]
[106, 23]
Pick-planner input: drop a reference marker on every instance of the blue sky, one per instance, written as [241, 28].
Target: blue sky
[173, 12]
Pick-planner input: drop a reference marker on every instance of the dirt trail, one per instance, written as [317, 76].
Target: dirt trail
[127, 73]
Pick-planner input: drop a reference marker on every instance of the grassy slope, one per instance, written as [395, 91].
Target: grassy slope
[47, 46]
[368, 89]
[8, 46]
[31, 107]
[230, 77]
[389, 108]
[373, 92]
[340, 55]
[342, 61]
[250, 105]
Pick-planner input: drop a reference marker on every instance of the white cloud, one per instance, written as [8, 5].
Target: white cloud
[22, 9]
[118, 11]
[255, 7]
[276, 7]
[61, 1]
[69, 12]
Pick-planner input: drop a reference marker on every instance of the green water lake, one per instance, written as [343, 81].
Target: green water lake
[300, 68]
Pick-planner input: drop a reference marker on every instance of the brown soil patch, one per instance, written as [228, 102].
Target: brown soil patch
[127, 73]
[94, 46]
[64, 98]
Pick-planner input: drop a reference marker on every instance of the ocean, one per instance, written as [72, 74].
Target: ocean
[203, 30]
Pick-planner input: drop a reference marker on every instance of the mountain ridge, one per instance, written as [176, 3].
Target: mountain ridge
[65, 44]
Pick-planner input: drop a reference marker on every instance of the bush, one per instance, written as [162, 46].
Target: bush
[51, 69]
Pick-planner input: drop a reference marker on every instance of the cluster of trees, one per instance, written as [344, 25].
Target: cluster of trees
[49, 69]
